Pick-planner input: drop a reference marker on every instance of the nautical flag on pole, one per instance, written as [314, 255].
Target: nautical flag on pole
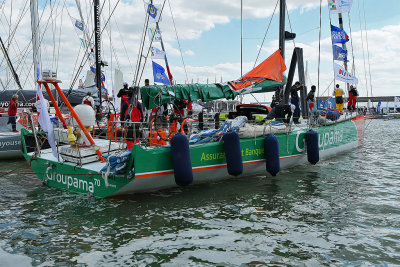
[103, 77]
[157, 53]
[155, 33]
[342, 75]
[154, 12]
[79, 25]
[43, 115]
[159, 74]
[339, 53]
[339, 36]
[339, 6]
[378, 107]
[84, 43]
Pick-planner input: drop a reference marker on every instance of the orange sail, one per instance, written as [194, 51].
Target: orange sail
[272, 68]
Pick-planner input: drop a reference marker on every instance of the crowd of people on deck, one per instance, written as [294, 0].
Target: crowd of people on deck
[284, 112]
[131, 108]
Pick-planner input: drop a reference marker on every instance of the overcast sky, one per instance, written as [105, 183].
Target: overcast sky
[209, 35]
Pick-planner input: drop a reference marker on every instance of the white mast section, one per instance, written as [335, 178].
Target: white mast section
[35, 37]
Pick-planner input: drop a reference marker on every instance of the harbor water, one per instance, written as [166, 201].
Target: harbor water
[343, 211]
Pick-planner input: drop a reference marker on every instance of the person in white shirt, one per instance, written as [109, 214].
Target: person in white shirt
[88, 100]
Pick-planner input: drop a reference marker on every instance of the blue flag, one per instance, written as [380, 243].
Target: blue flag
[339, 36]
[378, 108]
[79, 24]
[103, 77]
[159, 74]
[339, 53]
[152, 10]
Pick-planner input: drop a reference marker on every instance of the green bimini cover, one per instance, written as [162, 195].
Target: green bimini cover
[263, 87]
[156, 95]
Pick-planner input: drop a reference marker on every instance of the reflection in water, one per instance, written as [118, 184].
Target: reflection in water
[343, 211]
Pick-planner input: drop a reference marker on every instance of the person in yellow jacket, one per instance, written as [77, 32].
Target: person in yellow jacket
[338, 94]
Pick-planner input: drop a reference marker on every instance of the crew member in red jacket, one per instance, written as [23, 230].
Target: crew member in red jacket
[12, 112]
[125, 95]
[135, 115]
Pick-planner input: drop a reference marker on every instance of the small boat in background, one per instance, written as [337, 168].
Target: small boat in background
[10, 142]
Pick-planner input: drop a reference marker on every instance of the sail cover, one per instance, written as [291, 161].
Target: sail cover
[270, 69]
[156, 95]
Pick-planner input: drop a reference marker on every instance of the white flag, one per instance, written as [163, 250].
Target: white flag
[157, 53]
[339, 6]
[43, 115]
[342, 75]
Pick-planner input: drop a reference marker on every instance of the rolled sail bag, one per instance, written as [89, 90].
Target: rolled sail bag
[332, 115]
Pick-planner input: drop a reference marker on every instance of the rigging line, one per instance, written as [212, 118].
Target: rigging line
[265, 35]
[11, 37]
[319, 44]
[290, 24]
[108, 31]
[148, 51]
[9, 30]
[111, 58]
[30, 67]
[109, 17]
[362, 44]
[179, 44]
[78, 54]
[115, 55]
[333, 60]
[51, 54]
[366, 36]
[141, 48]
[327, 88]
[21, 15]
[57, 49]
[41, 37]
[52, 31]
[59, 37]
[142, 40]
[105, 25]
[241, 42]
[352, 47]
[123, 44]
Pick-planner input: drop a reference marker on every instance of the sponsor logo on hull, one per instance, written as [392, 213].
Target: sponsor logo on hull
[73, 182]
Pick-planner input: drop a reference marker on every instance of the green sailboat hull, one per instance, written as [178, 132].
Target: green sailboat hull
[153, 168]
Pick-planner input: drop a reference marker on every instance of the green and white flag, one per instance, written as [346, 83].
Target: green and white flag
[155, 33]
[339, 6]
[157, 53]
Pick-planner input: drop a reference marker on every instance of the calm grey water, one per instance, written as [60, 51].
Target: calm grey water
[343, 211]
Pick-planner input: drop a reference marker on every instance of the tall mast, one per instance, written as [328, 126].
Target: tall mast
[97, 43]
[241, 38]
[282, 11]
[241, 44]
[35, 36]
